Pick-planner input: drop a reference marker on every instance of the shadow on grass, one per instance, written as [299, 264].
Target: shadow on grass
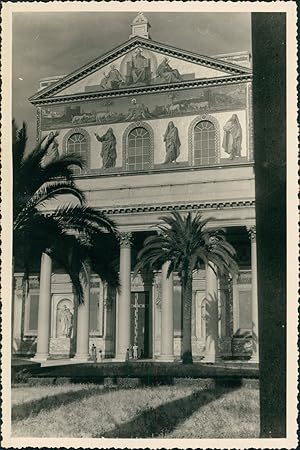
[161, 420]
[34, 407]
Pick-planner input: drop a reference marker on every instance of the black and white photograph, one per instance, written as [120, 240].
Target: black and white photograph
[149, 226]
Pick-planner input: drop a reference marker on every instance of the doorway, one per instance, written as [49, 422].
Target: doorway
[140, 323]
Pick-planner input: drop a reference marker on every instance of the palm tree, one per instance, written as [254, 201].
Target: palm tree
[72, 233]
[187, 244]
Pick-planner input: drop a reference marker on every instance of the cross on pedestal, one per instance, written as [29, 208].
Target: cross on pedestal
[136, 306]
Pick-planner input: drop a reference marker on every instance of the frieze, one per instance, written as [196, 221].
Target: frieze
[101, 111]
[179, 207]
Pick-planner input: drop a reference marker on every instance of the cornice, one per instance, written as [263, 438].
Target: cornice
[110, 56]
[230, 204]
[179, 86]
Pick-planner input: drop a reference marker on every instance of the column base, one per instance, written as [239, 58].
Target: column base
[210, 359]
[40, 357]
[120, 358]
[254, 359]
[166, 358]
[82, 358]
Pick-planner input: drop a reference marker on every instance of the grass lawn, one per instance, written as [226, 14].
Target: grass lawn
[78, 410]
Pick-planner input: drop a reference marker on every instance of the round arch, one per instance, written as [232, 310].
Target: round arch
[214, 121]
[88, 144]
[126, 133]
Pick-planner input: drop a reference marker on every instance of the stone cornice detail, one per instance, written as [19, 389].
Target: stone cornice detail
[180, 207]
[131, 45]
[166, 87]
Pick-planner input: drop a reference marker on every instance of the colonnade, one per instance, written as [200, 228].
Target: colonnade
[123, 309]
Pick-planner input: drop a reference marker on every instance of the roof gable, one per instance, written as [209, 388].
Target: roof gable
[139, 62]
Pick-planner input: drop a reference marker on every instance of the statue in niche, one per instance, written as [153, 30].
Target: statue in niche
[166, 73]
[66, 322]
[172, 142]
[232, 139]
[108, 152]
[138, 111]
[138, 69]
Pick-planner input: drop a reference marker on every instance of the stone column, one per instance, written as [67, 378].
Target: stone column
[124, 298]
[255, 353]
[212, 315]
[17, 313]
[83, 321]
[42, 351]
[167, 324]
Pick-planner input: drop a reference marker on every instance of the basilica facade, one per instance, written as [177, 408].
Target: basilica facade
[160, 129]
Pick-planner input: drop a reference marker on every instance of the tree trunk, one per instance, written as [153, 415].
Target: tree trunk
[187, 357]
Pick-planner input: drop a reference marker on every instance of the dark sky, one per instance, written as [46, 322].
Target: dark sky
[46, 44]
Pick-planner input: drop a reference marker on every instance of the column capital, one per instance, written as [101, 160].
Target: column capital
[125, 239]
[252, 232]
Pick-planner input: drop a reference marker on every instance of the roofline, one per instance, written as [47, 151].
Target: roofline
[131, 43]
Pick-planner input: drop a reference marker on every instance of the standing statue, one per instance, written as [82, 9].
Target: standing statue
[108, 152]
[172, 141]
[166, 73]
[66, 322]
[232, 140]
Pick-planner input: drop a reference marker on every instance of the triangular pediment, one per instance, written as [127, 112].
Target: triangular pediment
[137, 63]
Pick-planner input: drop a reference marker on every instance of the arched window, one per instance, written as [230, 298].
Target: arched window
[138, 149]
[77, 143]
[204, 143]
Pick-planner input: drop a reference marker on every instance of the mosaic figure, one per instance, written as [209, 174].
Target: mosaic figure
[166, 73]
[172, 142]
[108, 152]
[138, 69]
[232, 139]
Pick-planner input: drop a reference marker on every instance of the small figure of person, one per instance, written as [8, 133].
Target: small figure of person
[100, 356]
[127, 355]
[232, 139]
[94, 353]
[172, 142]
[130, 352]
[135, 351]
[108, 152]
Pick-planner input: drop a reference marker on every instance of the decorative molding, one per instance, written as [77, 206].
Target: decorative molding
[192, 125]
[250, 123]
[125, 239]
[236, 79]
[134, 43]
[88, 141]
[179, 207]
[38, 124]
[126, 133]
[252, 232]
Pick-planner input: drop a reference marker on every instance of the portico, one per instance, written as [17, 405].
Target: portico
[158, 331]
